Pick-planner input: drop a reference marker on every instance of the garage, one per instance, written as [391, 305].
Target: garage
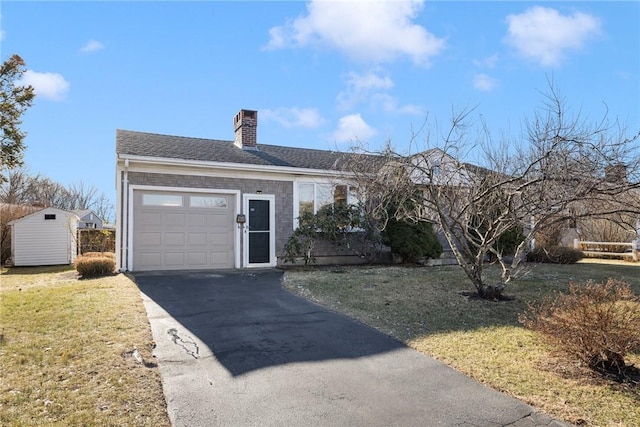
[183, 230]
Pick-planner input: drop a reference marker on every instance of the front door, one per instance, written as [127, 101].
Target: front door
[259, 231]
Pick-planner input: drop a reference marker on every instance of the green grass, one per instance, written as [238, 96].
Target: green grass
[434, 310]
[66, 352]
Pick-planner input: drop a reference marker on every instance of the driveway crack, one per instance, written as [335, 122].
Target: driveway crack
[190, 347]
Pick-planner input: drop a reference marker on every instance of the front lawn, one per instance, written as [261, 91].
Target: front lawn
[68, 351]
[434, 310]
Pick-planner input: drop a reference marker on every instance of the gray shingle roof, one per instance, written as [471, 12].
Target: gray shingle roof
[211, 150]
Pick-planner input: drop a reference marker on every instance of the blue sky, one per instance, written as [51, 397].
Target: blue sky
[321, 73]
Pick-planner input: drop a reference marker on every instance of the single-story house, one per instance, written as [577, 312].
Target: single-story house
[45, 237]
[192, 203]
[88, 219]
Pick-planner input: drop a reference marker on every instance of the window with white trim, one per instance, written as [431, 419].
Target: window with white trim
[312, 196]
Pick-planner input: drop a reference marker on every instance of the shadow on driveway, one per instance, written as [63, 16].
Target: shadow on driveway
[237, 349]
[250, 322]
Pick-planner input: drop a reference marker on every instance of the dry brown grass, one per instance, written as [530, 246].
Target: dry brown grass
[434, 310]
[67, 351]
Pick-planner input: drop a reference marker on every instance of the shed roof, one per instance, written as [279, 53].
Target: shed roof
[42, 211]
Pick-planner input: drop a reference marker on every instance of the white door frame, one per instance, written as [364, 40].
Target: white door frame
[272, 230]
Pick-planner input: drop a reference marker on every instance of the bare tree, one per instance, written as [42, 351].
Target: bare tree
[81, 195]
[13, 189]
[560, 170]
[103, 207]
[43, 191]
[21, 188]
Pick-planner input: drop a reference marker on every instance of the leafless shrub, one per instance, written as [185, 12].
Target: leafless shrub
[598, 324]
[93, 266]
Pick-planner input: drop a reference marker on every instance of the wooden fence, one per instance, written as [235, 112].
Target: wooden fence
[604, 249]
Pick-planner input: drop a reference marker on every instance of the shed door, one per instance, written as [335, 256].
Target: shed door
[182, 230]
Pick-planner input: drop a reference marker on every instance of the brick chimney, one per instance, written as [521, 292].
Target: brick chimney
[245, 124]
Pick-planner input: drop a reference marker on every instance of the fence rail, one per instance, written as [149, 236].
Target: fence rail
[602, 249]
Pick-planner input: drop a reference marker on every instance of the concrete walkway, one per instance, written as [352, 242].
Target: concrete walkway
[237, 349]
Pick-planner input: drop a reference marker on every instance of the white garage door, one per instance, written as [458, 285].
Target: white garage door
[179, 231]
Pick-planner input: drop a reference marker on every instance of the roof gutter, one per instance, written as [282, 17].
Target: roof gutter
[228, 166]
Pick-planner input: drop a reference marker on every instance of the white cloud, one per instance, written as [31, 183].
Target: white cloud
[488, 62]
[50, 86]
[294, 117]
[544, 35]
[352, 128]
[368, 88]
[484, 82]
[368, 31]
[92, 46]
[389, 104]
[359, 87]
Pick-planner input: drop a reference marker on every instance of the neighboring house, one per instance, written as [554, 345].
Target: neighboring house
[191, 203]
[88, 219]
[45, 237]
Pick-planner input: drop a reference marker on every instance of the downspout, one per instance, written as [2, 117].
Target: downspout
[122, 209]
[125, 211]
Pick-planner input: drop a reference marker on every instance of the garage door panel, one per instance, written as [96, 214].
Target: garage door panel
[150, 260]
[182, 236]
[218, 233]
[197, 259]
[197, 239]
[197, 219]
[219, 240]
[151, 218]
[174, 259]
[219, 219]
[174, 239]
[173, 219]
[150, 238]
[220, 258]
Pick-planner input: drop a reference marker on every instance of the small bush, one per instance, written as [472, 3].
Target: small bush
[93, 266]
[555, 255]
[413, 241]
[597, 323]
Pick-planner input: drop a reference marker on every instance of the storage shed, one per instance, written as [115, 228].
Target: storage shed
[45, 237]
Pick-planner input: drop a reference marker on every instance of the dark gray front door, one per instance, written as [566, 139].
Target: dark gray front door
[259, 232]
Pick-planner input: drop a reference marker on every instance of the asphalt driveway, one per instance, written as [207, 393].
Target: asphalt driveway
[237, 349]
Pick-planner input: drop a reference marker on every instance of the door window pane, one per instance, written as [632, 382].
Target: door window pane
[259, 248]
[258, 215]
